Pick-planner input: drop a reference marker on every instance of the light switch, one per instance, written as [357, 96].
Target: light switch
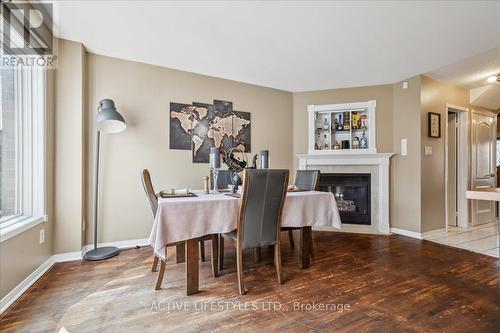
[428, 151]
[41, 236]
[404, 147]
[405, 85]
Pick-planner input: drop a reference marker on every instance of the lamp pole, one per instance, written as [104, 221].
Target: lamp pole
[108, 120]
[96, 184]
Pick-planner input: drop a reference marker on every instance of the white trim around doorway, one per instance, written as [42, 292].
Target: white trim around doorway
[463, 142]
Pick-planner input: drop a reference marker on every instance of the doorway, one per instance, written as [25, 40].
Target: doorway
[452, 169]
[457, 143]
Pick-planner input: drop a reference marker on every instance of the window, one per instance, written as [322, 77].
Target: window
[22, 149]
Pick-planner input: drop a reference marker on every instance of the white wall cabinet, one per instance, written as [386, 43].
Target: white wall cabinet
[342, 128]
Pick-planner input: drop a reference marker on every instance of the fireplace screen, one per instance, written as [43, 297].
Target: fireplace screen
[352, 193]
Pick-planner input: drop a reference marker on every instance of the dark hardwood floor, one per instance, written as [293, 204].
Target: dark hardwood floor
[389, 283]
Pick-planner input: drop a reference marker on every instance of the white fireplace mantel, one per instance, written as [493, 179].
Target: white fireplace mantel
[381, 161]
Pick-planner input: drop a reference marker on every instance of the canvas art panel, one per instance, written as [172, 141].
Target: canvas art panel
[199, 126]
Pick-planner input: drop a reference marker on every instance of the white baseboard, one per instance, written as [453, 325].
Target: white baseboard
[407, 233]
[69, 256]
[25, 284]
[12, 296]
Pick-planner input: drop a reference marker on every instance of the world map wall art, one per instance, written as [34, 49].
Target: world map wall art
[199, 126]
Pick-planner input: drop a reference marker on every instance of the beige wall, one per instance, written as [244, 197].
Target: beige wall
[69, 147]
[434, 97]
[405, 170]
[142, 93]
[21, 255]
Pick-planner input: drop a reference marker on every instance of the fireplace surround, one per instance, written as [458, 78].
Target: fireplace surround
[376, 165]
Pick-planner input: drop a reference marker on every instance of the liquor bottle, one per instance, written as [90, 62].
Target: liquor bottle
[340, 126]
[355, 143]
[363, 121]
[325, 142]
[317, 144]
[346, 121]
[325, 125]
[363, 142]
[355, 120]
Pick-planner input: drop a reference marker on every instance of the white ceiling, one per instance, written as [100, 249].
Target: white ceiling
[471, 72]
[289, 45]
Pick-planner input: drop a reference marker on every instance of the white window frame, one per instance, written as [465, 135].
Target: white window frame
[30, 104]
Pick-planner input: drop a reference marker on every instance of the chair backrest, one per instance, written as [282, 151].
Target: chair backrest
[262, 200]
[223, 179]
[307, 179]
[150, 192]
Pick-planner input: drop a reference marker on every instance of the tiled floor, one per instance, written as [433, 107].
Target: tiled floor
[482, 238]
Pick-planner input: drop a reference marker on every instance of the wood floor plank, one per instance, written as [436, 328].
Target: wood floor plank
[391, 284]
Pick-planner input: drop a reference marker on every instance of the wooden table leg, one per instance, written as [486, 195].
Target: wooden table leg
[180, 253]
[192, 267]
[215, 255]
[256, 255]
[305, 247]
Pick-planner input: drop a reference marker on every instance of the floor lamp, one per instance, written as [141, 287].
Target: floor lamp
[108, 120]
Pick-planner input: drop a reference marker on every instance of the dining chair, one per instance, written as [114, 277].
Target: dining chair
[259, 218]
[223, 179]
[153, 202]
[305, 180]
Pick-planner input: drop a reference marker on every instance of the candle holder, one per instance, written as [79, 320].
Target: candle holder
[215, 166]
[215, 172]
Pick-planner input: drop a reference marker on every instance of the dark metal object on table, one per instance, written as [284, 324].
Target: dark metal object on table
[254, 162]
[233, 163]
[236, 181]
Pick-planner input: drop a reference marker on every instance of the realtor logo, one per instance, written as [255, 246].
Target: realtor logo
[27, 34]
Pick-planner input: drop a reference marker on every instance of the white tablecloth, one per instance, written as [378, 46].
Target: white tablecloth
[179, 219]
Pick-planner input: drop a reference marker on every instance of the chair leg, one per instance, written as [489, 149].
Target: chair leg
[180, 253]
[155, 263]
[159, 279]
[202, 250]
[239, 266]
[290, 237]
[215, 255]
[256, 255]
[277, 262]
[221, 253]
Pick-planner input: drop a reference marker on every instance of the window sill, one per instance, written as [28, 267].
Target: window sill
[25, 223]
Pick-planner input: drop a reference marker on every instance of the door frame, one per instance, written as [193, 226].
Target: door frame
[463, 157]
[494, 115]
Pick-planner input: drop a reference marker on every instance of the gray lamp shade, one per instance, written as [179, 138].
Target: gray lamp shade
[109, 120]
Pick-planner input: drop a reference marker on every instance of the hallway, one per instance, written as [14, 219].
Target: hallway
[482, 239]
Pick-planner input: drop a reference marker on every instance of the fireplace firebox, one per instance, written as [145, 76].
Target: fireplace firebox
[352, 193]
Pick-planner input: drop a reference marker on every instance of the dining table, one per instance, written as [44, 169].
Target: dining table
[190, 218]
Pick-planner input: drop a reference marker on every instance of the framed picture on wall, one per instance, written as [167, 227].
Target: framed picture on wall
[434, 124]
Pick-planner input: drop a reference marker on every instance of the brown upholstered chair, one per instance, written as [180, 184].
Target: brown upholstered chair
[307, 180]
[153, 201]
[259, 219]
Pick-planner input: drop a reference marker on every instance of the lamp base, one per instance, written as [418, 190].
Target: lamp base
[102, 253]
